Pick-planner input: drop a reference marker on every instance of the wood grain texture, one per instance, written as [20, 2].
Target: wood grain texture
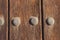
[4, 14]
[25, 9]
[51, 9]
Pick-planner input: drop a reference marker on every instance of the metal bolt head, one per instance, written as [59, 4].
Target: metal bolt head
[50, 21]
[34, 20]
[16, 21]
[1, 21]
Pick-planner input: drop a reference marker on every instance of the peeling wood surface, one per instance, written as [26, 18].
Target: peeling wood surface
[25, 9]
[51, 8]
[4, 14]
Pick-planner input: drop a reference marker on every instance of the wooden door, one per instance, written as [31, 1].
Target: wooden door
[24, 10]
[51, 8]
[3, 19]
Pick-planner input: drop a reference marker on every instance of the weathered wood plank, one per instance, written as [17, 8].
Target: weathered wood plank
[4, 15]
[25, 9]
[51, 9]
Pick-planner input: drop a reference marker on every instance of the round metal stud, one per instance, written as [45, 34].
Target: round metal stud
[50, 21]
[33, 20]
[1, 21]
[16, 21]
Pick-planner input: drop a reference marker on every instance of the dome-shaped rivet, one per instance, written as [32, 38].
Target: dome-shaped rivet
[16, 21]
[1, 21]
[33, 20]
[50, 21]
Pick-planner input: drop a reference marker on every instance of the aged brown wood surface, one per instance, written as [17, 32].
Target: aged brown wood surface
[4, 14]
[25, 9]
[52, 9]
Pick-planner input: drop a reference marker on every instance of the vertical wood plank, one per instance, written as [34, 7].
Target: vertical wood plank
[51, 8]
[4, 15]
[25, 9]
